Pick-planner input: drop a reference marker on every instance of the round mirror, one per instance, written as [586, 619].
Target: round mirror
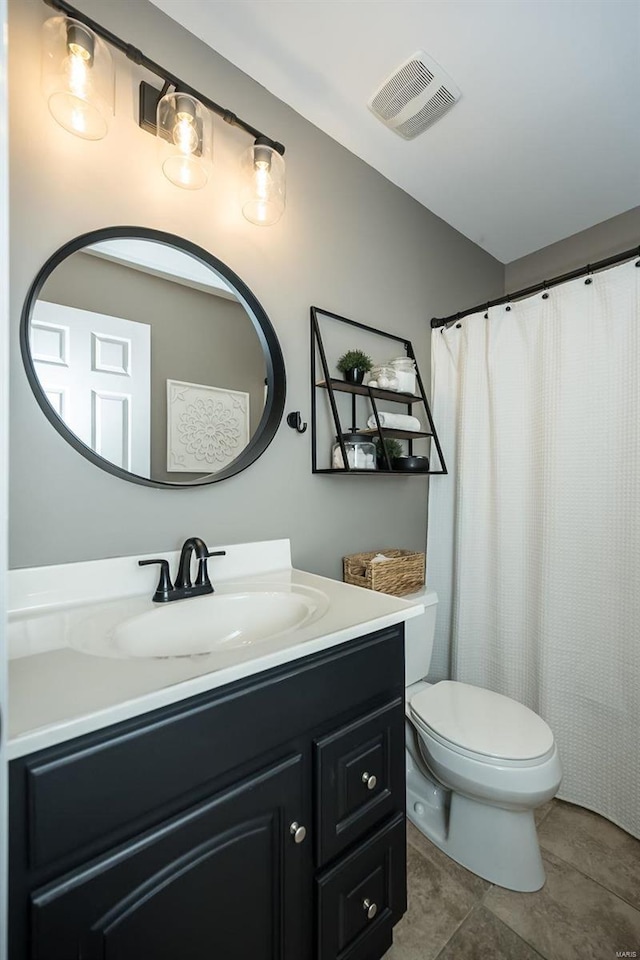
[152, 358]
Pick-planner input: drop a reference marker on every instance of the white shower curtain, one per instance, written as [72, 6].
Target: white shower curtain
[534, 536]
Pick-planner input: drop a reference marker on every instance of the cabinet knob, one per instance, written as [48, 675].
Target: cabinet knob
[298, 832]
[369, 908]
[370, 779]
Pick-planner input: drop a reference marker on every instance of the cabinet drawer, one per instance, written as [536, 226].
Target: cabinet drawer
[363, 896]
[359, 777]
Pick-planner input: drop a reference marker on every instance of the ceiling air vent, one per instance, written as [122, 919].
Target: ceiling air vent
[416, 95]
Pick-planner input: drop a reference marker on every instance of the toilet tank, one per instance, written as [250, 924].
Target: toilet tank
[418, 636]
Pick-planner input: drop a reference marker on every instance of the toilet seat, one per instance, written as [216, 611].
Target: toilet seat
[480, 724]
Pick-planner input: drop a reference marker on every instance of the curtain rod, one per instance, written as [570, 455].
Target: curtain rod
[138, 57]
[536, 288]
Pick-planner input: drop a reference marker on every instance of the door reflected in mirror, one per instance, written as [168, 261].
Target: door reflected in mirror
[153, 358]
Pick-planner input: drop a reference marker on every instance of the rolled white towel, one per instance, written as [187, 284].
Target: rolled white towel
[395, 421]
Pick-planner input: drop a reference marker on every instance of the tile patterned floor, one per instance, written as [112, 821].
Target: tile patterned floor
[589, 908]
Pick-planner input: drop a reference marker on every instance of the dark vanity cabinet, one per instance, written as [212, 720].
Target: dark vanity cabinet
[262, 820]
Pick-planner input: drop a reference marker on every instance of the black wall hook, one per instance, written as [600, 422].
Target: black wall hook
[294, 420]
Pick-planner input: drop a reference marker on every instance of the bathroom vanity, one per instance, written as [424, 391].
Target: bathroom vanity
[262, 817]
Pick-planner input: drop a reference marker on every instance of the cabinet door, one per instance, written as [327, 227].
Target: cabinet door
[224, 879]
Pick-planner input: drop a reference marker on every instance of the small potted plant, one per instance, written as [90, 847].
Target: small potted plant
[354, 364]
[393, 448]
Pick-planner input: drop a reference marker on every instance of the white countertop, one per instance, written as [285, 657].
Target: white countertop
[57, 692]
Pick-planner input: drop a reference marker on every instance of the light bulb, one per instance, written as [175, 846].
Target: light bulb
[78, 73]
[185, 135]
[262, 183]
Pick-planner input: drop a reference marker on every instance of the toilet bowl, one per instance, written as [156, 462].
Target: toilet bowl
[478, 764]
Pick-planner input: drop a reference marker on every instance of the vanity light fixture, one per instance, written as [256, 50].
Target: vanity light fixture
[78, 78]
[78, 81]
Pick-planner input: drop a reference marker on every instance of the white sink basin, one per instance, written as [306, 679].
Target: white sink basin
[230, 619]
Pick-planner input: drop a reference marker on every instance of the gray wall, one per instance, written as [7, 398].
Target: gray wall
[597, 243]
[349, 241]
[196, 337]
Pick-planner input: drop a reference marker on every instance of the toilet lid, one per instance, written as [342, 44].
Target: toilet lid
[481, 721]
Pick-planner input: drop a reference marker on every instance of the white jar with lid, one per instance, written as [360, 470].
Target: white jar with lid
[383, 376]
[360, 450]
[405, 370]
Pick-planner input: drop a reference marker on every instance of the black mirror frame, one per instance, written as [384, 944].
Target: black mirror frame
[274, 360]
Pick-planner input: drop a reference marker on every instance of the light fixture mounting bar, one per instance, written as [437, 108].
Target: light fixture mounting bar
[148, 106]
[138, 57]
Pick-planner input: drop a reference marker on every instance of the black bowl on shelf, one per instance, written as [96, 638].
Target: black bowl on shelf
[414, 464]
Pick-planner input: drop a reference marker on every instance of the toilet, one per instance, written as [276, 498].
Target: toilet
[478, 764]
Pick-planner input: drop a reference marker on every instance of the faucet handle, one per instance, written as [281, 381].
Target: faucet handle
[202, 579]
[165, 586]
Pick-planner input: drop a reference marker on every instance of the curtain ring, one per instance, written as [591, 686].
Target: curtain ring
[545, 295]
[486, 316]
[589, 277]
[508, 307]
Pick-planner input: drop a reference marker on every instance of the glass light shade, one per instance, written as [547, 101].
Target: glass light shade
[185, 137]
[263, 184]
[78, 78]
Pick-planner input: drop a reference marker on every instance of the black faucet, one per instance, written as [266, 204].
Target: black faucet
[165, 591]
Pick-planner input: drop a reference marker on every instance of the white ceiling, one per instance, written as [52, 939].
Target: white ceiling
[544, 142]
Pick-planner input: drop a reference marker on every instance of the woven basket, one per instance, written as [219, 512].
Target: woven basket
[402, 573]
